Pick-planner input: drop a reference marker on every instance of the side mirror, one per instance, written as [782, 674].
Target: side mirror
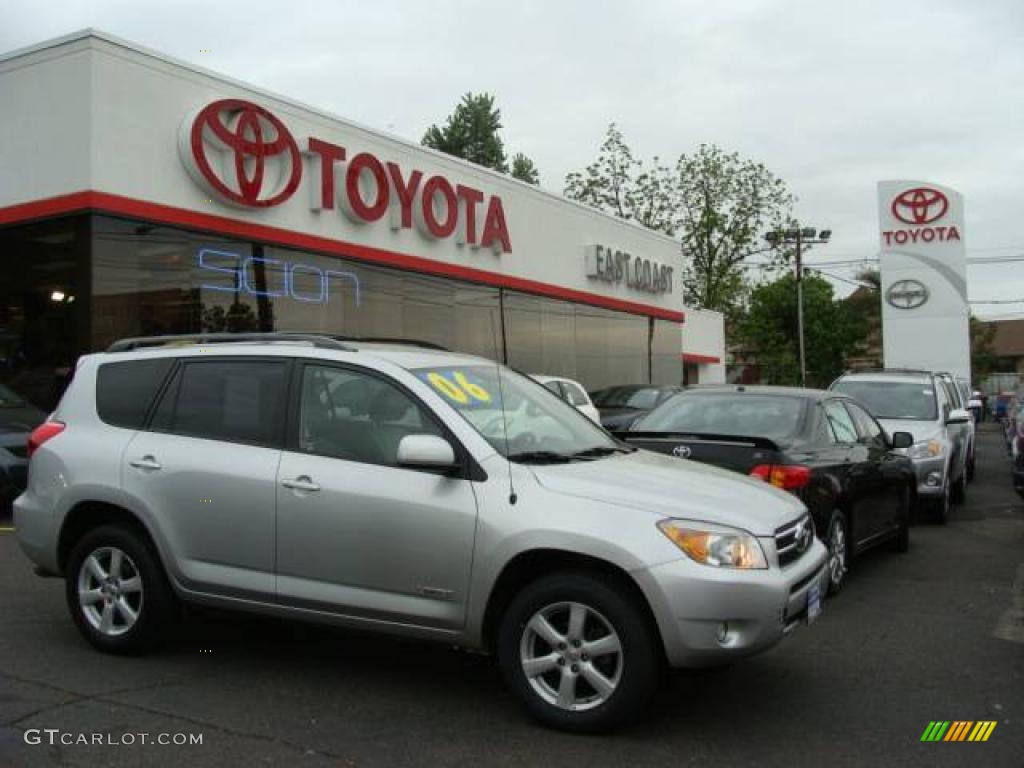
[958, 416]
[902, 439]
[425, 451]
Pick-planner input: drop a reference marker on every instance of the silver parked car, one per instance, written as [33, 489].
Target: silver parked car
[927, 406]
[411, 491]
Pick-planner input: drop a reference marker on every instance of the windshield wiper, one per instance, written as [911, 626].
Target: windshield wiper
[539, 457]
[603, 450]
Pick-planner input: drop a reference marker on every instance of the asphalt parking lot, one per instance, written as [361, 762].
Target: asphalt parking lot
[937, 634]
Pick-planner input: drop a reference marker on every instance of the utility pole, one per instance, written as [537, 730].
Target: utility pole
[798, 237]
[800, 308]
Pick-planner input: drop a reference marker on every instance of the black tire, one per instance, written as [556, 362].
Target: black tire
[959, 489]
[155, 606]
[940, 506]
[902, 541]
[838, 563]
[637, 664]
[970, 468]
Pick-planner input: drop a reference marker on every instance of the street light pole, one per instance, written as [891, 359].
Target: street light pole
[799, 237]
[800, 308]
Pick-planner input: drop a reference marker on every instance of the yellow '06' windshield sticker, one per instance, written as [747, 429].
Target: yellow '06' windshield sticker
[456, 387]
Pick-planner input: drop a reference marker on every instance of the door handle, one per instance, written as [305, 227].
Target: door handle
[146, 462]
[301, 483]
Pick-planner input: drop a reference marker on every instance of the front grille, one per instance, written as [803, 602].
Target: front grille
[788, 543]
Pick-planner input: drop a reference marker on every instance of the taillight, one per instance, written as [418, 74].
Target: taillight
[789, 477]
[42, 433]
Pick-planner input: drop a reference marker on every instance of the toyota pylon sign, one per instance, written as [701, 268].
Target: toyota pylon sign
[924, 277]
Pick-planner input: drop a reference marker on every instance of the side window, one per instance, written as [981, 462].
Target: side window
[574, 393]
[237, 401]
[125, 390]
[841, 423]
[346, 414]
[868, 428]
[554, 387]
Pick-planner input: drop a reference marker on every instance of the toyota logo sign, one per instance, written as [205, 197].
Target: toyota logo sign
[682, 451]
[907, 294]
[241, 152]
[921, 205]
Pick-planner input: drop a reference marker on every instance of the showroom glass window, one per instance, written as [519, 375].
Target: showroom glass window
[44, 306]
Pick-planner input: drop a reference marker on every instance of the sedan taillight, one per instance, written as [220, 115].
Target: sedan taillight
[789, 477]
[42, 433]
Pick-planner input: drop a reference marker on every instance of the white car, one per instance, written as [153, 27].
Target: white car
[570, 391]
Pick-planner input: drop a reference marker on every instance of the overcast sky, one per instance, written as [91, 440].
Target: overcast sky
[831, 96]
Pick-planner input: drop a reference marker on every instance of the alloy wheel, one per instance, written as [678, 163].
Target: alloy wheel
[110, 591]
[571, 656]
[836, 553]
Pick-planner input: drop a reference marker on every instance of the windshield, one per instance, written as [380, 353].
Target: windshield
[519, 417]
[893, 399]
[642, 398]
[768, 416]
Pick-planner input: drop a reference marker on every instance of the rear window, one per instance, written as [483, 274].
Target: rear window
[125, 390]
[771, 416]
[237, 401]
[913, 401]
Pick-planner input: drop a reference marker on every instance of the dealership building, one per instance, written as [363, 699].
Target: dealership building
[140, 195]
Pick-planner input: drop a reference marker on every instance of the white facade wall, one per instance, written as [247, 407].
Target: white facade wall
[704, 344]
[94, 114]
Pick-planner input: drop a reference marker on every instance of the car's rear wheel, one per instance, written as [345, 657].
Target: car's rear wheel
[117, 591]
[579, 651]
[838, 543]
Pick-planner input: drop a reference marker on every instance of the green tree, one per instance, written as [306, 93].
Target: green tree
[619, 184]
[718, 203]
[524, 169]
[768, 330]
[472, 133]
[983, 353]
[726, 204]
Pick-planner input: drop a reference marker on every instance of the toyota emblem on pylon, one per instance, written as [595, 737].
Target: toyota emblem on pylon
[682, 451]
[920, 205]
[241, 152]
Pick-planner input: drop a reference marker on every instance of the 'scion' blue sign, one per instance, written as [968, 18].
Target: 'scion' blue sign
[316, 282]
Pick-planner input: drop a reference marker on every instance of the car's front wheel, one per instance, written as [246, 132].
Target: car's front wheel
[579, 651]
[117, 592]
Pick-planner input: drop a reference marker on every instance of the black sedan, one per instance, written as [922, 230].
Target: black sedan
[622, 405]
[824, 447]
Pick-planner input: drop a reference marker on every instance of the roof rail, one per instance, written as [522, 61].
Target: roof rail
[373, 339]
[887, 370]
[141, 342]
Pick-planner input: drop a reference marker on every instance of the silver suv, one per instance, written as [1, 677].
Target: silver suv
[407, 490]
[928, 406]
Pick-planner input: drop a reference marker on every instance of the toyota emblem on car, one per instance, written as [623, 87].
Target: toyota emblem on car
[682, 451]
[907, 294]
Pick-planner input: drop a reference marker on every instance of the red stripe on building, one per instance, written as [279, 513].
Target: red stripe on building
[689, 357]
[103, 202]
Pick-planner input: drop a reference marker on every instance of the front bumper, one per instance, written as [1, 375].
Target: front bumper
[692, 602]
[931, 475]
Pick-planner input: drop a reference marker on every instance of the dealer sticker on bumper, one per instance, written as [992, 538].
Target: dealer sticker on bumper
[813, 603]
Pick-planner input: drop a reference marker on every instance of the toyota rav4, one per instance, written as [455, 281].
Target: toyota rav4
[407, 490]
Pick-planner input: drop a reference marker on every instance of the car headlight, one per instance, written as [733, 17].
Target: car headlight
[925, 450]
[716, 545]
